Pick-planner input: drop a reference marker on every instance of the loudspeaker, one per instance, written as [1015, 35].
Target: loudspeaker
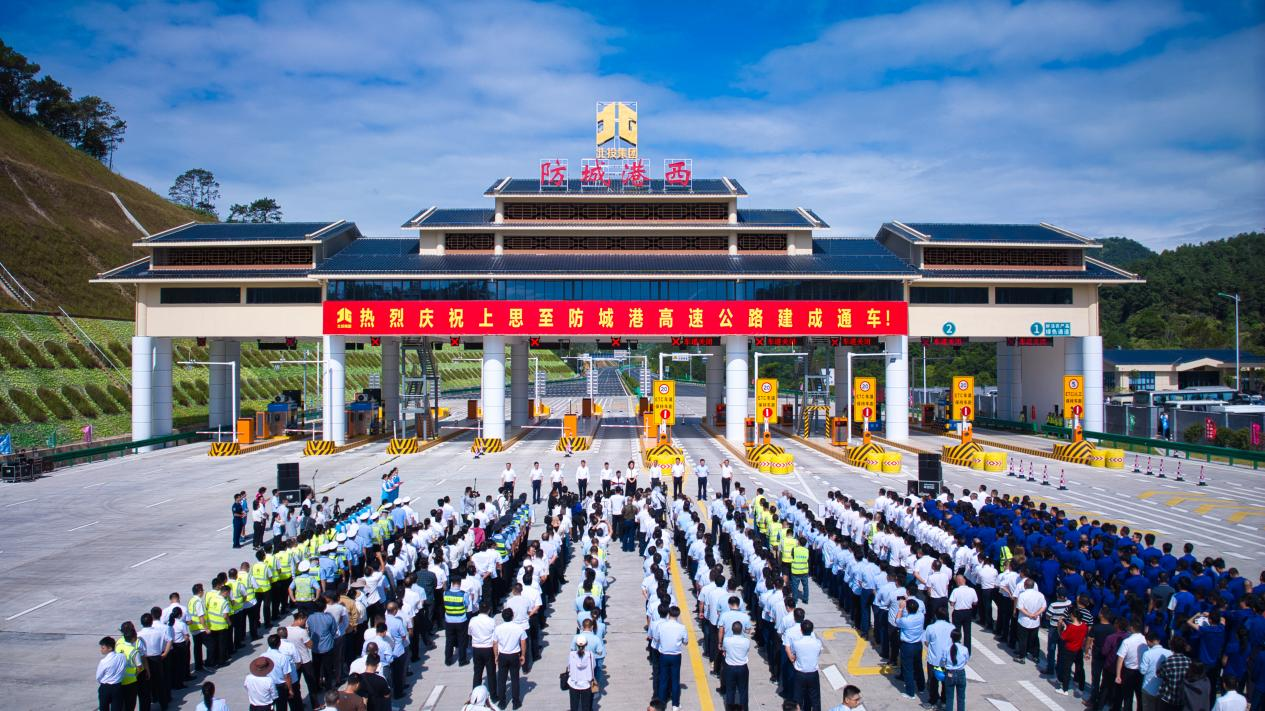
[288, 476]
[929, 468]
[911, 487]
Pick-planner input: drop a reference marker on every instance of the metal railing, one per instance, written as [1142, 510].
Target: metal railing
[89, 454]
[1129, 442]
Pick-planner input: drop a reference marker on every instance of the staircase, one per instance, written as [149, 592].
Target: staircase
[13, 288]
[420, 376]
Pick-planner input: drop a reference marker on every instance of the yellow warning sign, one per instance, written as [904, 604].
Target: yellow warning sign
[665, 401]
[864, 399]
[1073, 396]
[962, 398]
[766, 401]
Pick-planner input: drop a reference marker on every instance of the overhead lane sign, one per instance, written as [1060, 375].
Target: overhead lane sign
[615, 318]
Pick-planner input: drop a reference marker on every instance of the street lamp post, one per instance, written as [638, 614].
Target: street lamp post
[848, 385]
[232, 365]
[1238, 373]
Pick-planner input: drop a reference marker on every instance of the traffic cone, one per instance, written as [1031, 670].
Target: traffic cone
[1031, 476]
[1179, 472]
[1161, 473]
[1011, 472]
[1203, 480]
[1148, 467]
[1045, 475]
[1136, 470]
[1062, 480]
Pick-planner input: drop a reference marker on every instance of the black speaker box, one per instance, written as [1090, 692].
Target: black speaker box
[288, 476]
[929, 468]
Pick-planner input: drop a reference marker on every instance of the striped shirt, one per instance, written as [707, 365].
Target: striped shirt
[1057, 610]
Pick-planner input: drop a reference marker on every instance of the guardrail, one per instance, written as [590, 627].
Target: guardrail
[1129, 442]
[121, 448]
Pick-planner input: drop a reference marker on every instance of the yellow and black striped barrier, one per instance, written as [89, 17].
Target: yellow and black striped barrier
[806, 419]
[408, 445]
[318, 447]
[961, 454]
[487, 445]
[868, 456]
[755, 454]
[578, 444]
[224, 449]
[664, 450]
[1075, 452]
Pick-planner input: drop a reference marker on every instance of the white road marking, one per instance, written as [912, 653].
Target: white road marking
[989, 654]
[833, 675]
[973, 675]
[160, 503]
[1002, 705]
[433, 699]
[30, 609]
[100, 483]
[76, 528]
[223, 529]
[19, 503]
[1040, 696]
[151, 558]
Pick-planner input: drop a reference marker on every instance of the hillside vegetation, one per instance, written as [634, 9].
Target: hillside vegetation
[59, 225]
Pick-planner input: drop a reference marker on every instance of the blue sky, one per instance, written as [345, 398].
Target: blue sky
[1143, 118]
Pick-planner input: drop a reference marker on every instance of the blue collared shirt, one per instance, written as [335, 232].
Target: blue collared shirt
[910, 626]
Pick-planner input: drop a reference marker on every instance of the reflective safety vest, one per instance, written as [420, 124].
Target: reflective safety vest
[761, 522]
[788, 547]
[775, 534]
[216, 611]
[132, 654]
[455, 603]
[305, 588]
[799, 561]
[284, 563]
[1003, 558]
[195, 625]
[274, 574]
[236, 596]
[869, 537]
[263, 576]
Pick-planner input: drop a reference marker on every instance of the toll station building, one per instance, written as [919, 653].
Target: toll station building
[638, 260]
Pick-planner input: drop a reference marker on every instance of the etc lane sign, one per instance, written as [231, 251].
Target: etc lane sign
[962, 398]
[864, 399]
[766, 401]
[664, 401]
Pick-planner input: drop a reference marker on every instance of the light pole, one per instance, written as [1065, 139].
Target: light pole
[680, 356]
[307, 355]
[848, 385]
[478, 423]
[756, 371]
[1238, 384]
[232, 375]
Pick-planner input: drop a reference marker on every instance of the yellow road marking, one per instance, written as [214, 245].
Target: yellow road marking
[696, 655]
[1238, 517]
[854, 661]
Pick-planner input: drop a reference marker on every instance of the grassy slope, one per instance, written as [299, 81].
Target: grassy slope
[59, 226]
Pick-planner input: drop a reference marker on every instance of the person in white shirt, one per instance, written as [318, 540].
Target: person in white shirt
[700, 473]
[261, 691]
[508, 477]
[1231, 700]
[582, 478]
[110, 671]
[631, 476]
[209, 701]
[1029, 607]
[678, 478]
[555, 478]
[509, 645]
[537, 476]
[1128, 657]
[605, 477]
[482, 627]
[726, 478]
[962, 602]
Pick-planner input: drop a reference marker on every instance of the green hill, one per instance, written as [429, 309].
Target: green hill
[60, 226]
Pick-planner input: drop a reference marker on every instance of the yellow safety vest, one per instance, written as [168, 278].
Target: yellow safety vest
[216, 611]
[194, 624]
[236, 596]
[799, 561]
[282, 564]
[305, 588]
[761, 522]
[131, 652]
[263, 576]
[274, 575]
[1004, 558]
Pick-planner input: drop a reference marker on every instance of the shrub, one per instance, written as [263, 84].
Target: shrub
[180, 397]
[122, 353]
[55, 404]
[29, 406]
[190, 393]
[120, 395]
[12, 355]
[33, 352]
[102, 400]
[60, 354]
[1193, 434]
[85, 357]
[8, 416]
[78, 400]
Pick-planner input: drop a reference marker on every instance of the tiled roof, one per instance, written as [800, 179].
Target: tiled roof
[924, 232]
[1177, 356]
[249, 232]
[701, 186]
[1094, 271]
[140, 270]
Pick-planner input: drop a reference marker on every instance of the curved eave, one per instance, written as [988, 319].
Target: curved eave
[602, 275]
[608, 226]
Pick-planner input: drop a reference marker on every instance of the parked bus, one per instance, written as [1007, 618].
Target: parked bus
[1166, 398]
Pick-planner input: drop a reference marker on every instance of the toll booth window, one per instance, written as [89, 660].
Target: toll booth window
[1060, 296]
[284, 295]
[948, 295]
[200, 295]
[1140, 380]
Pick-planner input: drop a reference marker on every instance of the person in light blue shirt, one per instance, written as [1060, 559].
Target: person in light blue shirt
[735, 647]
[1149, 663]
[670, 638]
[804, 654]
[909, 621]
[883, 598]
[954, 664]
[937, 641]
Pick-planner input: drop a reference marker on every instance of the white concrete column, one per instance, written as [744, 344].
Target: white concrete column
[737, 380]
[390, 382]
[1005, 361]
[232, 383]
[841, 377]
[897, 388]
[142, 389]
[520, 382]
[217, 386]
[160, 388]
[715, 387]
[1091, 370]
[494, 387]
[334, 421]
[1014, 387]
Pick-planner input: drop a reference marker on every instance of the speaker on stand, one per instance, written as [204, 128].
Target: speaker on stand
[288, 482]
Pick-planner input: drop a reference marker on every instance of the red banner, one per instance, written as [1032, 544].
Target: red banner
[615, 318]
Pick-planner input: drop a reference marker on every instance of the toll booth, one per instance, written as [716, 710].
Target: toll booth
[586, 407]
[361, 415]
[839, 431]
[643, 405]
[928, 415]
[652, 424]
[788, 412]
[472, 409]
[570, 425]
[748, 432]
[245, 430]
[720, 414]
